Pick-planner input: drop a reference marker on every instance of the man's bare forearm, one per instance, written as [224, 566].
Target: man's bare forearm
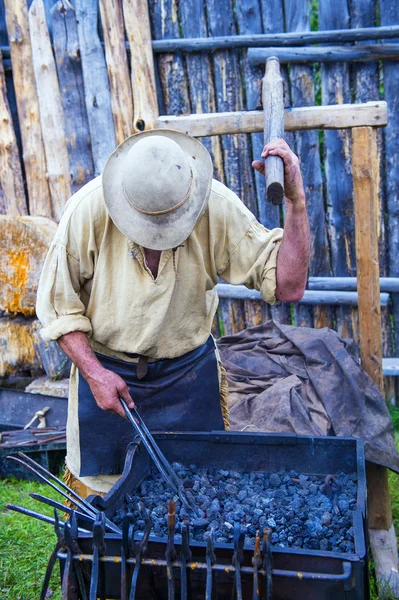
[105, 385]
[77, 347]
[293, 255]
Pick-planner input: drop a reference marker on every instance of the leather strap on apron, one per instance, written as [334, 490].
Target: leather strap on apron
[180, 394]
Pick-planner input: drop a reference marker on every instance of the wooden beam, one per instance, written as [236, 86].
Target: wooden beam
[50, 107]
[28, 108]
[117, 66]
[12, 193]
[276, 39]
[325, 54]
[365, 177]
[145, 103]
[349, 284]
[240, 292]
[339, 116]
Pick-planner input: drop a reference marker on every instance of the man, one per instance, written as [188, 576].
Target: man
[128, 290]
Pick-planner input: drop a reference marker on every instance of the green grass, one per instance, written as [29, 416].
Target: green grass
[25, 543]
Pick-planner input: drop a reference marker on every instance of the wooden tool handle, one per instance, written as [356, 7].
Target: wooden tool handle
[273, 110]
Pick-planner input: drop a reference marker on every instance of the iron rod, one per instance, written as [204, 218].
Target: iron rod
[197, 566]
[38, 516]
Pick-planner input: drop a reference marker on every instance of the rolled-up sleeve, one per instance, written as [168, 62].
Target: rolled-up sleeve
[253, 261]
[59, 306]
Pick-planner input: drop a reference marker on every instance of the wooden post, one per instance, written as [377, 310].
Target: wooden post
[365, 185]
[137, 24]
[51, 113]
[12, 194]
[28, 108]
[117, 66]
[70, 77]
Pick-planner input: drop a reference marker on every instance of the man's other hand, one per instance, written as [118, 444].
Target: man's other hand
[293, 184]
[107, 387]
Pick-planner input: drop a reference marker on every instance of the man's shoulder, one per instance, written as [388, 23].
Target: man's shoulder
[88, 200]
[223, 202]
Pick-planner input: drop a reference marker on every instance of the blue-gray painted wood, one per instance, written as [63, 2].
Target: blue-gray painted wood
[328, 54]
[308, 150]
[387, 284]
[337, 160]
[70, 77]
[96, 85]
[226, 290]
[171, 67]
[274, 39]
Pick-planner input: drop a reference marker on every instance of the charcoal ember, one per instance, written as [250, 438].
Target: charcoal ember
[301, 510]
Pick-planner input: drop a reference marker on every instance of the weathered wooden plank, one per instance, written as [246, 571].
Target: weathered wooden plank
[96, 85]
[308, 150]
[311, 297]
[390, 367]
[337, 146]
[252, 40]
[70, 77]
[338, 116]
[24, 242]
[199, 75]
[50, 109]
[389, 11]
[12, 193]
[171, 66]
[365, 183]
[118, 70]
[328, 54]
[145, 104]
[28, 108]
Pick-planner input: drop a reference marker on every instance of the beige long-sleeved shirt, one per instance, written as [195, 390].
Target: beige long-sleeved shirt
[96, 280]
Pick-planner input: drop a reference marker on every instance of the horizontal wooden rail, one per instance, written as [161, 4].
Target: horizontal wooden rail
[336, 116]
[240, 292]
[390, 367]
[349, 284]
[326, 54]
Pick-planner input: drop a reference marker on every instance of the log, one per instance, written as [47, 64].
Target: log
[28, 108]
[328, 54]
[12, 193]
[70, 77]
[117, 66]
[96, 85]
[334, 298]
[389, 10]
[274, 39]
[137, 24]
[308, 150]
[22, 349]
[24, 242]
[50, 108]
[348, 284]
[339, 186]
[199, 70]
[339, 116]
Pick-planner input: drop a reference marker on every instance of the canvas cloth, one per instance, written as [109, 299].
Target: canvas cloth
[305, 381]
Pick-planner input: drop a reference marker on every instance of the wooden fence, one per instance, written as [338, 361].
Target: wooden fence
[71, 89]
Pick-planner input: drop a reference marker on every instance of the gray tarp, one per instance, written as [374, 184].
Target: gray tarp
[304, 381]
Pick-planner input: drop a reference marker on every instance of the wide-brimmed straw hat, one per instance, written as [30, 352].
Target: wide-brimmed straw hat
[156, 185]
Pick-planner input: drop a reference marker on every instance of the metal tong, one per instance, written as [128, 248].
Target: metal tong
[160, 461]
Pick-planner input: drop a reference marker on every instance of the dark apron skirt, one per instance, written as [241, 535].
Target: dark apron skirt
[178, 394]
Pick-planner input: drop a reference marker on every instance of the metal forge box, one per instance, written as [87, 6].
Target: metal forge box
[282, 573]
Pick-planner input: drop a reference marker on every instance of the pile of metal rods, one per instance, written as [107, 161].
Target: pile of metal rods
[88, 512]
[29, 437]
